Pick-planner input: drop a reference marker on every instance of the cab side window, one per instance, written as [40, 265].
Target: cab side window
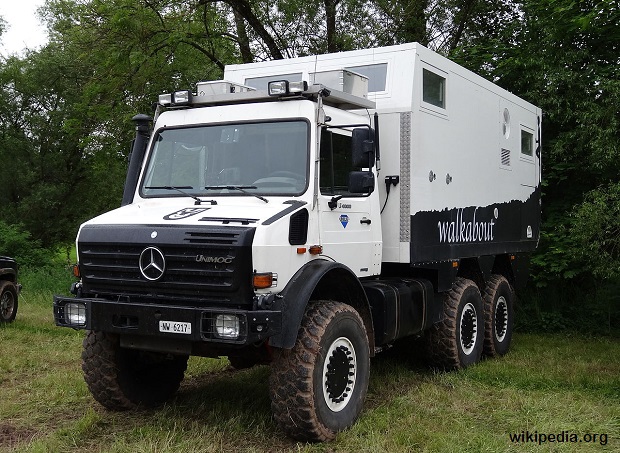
[335, 164]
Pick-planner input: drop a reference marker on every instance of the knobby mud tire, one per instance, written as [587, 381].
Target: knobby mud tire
[124, 379]
[458, 340]
[317, 389]
[498, 316]
[8, 301]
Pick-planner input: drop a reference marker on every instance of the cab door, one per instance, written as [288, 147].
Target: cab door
[350, 224]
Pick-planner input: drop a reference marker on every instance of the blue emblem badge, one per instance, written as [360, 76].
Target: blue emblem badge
[344, 219]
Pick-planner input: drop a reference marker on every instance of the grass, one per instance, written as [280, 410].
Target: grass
[546, 384]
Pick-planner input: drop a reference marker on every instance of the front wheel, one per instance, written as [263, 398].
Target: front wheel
[122, 379]
[318, 388]
[8, 301]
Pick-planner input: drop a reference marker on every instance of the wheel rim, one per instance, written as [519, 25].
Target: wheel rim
[7, 305]
[469, 328]
[339, 373]
[501, 319]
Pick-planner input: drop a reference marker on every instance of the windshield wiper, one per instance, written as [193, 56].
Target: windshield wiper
[240, 189]
[180, 190]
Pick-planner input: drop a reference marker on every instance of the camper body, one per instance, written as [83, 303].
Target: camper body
[308, 213]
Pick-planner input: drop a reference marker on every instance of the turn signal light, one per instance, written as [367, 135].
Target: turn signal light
[264, 280]
[316, 249]
[76, 271]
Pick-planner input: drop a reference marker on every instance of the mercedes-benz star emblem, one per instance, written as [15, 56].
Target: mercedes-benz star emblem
[152, 263]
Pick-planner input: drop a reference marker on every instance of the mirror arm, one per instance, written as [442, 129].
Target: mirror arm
[333, 203]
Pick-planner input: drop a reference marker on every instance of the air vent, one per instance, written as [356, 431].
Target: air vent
[505, 157]
[506, 124]
[298, 228]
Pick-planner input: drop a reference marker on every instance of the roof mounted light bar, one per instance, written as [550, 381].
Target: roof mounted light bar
[277, 90]
[286, 88]
[182, 97]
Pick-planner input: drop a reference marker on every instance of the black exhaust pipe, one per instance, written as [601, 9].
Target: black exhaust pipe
[143, 132]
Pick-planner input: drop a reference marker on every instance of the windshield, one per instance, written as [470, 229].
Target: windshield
[238, 159]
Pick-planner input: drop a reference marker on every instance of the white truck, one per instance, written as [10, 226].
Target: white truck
[308, 213]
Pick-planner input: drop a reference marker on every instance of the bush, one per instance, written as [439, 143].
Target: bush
[17, 243]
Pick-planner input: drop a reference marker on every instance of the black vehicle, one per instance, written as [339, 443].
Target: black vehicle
[9, 289]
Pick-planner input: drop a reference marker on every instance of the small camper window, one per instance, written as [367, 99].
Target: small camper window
[433, 89]
[260, 83]
[527, 143]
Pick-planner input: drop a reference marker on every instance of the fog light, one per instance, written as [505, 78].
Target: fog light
[165, 99]
[75, 314]
[277, 87]
[181, 97]
[227, 326]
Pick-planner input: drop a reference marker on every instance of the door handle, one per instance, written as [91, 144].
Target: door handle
[365, 221]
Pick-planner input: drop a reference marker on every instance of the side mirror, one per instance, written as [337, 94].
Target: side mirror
[361, 182]
[363, 148]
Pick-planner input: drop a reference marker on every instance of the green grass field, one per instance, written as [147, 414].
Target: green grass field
[548, 384]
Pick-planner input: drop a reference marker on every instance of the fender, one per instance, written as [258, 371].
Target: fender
[8, 274]
[319, 279]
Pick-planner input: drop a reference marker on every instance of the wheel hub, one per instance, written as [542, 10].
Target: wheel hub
[339, 372]
[6, 305]
[501, 319]
[469, 328]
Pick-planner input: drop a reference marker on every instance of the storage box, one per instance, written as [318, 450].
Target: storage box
[220, 87]
[343, 80]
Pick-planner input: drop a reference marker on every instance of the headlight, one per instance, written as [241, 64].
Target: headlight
[75, 314]
[227, 326]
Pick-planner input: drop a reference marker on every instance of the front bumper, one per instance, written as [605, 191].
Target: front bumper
[195, 324]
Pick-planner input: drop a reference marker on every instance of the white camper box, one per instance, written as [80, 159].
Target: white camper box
[465, 150]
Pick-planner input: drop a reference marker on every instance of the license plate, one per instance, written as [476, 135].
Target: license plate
[175, 327]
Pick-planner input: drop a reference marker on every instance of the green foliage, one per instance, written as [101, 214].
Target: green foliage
[17, 243]
[597, 231]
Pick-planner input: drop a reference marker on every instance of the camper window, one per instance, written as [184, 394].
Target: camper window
[261, 83]
[376, 73]
[433, 89]
[527, 143]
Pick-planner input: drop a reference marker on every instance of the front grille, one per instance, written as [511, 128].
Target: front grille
[210, 266]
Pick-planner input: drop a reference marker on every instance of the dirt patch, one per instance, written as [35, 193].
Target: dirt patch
[12, 435]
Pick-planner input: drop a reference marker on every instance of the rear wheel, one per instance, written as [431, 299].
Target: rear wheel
[318, 388]
[122, 379]
[457, 341]
[498, 316]
[8, 301]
